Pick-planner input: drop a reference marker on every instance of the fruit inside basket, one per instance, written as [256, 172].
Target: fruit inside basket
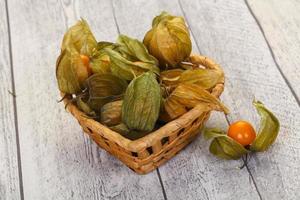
[141, 101]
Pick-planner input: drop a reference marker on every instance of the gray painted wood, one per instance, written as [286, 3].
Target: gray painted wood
[9, 177]
[229, 33]
[58, 161]
[193, 173]
[280, 21]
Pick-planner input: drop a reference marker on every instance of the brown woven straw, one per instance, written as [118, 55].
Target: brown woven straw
[149, 152]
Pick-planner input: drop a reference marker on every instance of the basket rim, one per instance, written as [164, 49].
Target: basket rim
[165, 131]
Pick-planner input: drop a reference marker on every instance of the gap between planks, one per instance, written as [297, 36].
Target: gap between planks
[272, 53]
[228, 121]
[119, 32]
[14, 104]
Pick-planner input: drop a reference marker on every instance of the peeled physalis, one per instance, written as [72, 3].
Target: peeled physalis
[141, 104]
[241, 138]
[81, 37]
[71, 72]
[168, 40]
[242, 132]
[130, 58]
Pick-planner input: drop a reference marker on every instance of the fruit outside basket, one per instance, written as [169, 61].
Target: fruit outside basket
[151, 151]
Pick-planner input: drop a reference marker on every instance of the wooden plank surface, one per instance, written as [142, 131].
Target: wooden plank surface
[229, 33]
[58, 162]
[193, 173]
[9, 176]
[280, 22]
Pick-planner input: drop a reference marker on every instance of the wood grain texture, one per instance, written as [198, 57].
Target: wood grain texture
[193, 173]
[9, 176]
[280, 22]
[58, 161]
[229, 33]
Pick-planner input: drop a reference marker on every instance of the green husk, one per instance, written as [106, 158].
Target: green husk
[100, 64]
[187, 96]
[223, 146]
[83, 106]
[141, 104]
[104, 88]
[130, 58]
[71, 72]
[100, 61]
[171, 77]
[168, 40]
[120, 128]
[81, 37]
[110, 114]
[269, 128]
[206, 78]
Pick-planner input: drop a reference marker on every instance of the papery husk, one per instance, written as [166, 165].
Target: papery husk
[121, 129]
[206, 78]
[100, 64]
[168, 40]
[71, 72]
[83, 106]
[104, 88]
[170, 77]
[81, 37]
[187, 96]
[134, 50]
[141, 104]
[269, 128]
[110, 114]
[126, 69]
[125, 132]
[130, 58]
[100, 61]
[223, 146]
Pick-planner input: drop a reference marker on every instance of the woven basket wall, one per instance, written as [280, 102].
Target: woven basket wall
[149, 152]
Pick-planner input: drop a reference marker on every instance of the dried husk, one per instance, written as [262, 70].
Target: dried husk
[121, 129]
[223, 146]
[71, 72]
[104, 88]
[110, 114]
[206, 78]
[141, 104]
[168, 40]
[130, 58]
[81, 37]
[134, 50]
[269, 128]
[83, 106]
[170, 77]
[100, 64]
[187, 96]
[100, 61]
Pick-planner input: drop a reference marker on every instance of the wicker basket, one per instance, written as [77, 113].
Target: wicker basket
[149, 152]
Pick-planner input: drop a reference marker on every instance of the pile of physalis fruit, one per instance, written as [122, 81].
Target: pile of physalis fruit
[135, 87]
